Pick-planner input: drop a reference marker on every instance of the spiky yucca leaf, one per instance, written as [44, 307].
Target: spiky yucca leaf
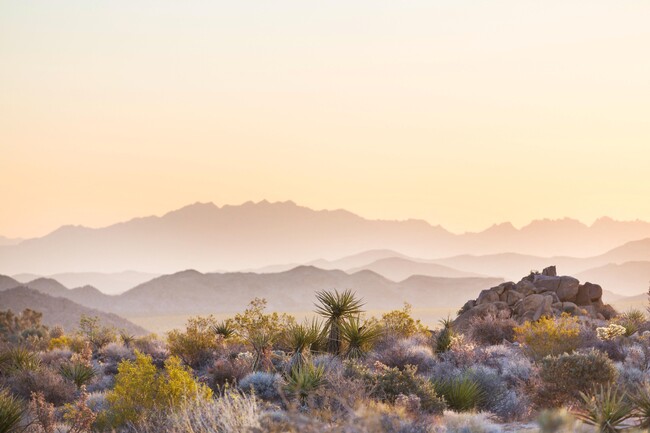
[335, 307]
[359, 337]
[606, 408]
[641, 401]
[461, 393]
[78, 373]
[224, 329]
[301, 338]
[303, 381]
[19, 359]
[11, 412]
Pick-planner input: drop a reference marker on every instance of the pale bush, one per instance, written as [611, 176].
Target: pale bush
[264, 385]
[452, 422]
[610, 332]
[403, 352]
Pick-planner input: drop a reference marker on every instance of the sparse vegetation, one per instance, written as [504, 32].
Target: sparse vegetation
[268, 373]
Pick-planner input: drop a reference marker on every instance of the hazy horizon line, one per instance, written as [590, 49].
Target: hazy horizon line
[292, 202]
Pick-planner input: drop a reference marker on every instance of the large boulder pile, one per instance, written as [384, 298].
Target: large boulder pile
[537, 295]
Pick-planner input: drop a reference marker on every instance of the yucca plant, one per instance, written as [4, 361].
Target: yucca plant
[303, 381]
[127, 338]
[445, 336]
[301, 338]
[461, 393]
[631, 320]
[262, 343]
[224, 329]
[335, 307]
[606, 408]
[78, 373]
[641, 401]
[19, 359]
[359, 337]
[11, 412]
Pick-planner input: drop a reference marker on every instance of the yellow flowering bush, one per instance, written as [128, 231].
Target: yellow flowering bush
[141, 389]
[549, 336]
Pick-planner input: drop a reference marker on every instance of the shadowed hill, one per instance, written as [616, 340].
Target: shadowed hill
[60, 311]
[398, 269]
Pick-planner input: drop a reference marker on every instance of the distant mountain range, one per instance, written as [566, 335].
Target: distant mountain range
[109, 283]
[207, 237]
[192, 292]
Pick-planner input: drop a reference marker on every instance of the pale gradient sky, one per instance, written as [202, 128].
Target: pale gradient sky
[463, 113]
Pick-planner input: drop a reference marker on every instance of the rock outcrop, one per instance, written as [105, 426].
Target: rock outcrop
[535, 296]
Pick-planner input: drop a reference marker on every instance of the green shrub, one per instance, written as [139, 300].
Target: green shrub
[388, 383]
[300, 339]
[401, 324]
[565, 377]
[140, 389]
[98, 335]
[196, 345]
[11, 412]
[461, 393]
[549, 336]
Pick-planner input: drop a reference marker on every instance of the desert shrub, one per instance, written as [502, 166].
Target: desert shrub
[54, 358]
[606, 408]
[97, 402]
[228, 370]
[114, 353]
[388, 383]
[11, 412]
[264, 385]
[140, 389]
[403, 352]
[489, 330]
[23, 328]
[452, 422]
[400, 323]
[565, 376]
[152, 346]
[54, 388]
[461, 393]
[62, 342]
[512, 365]
[255, 321]
[95, 333]
[19, 359]
[336, 308]
[549, 336]
[197, 344]
[632, 320]
[559, 421]
[230, 413]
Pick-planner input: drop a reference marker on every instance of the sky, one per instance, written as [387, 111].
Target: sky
[462, 113]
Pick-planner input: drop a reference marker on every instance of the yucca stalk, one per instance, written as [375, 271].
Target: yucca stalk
[359, 337]
[335, 307]
[11, 412]
[607, 409]
[301, 338]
